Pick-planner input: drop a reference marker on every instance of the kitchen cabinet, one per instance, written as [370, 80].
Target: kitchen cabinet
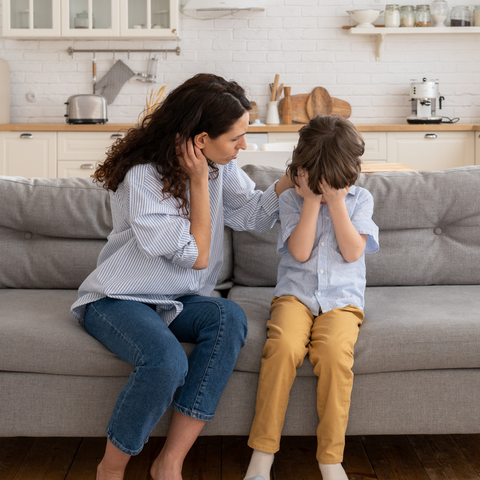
[435, 150]
[91, 18]
[79, 153]
[477, 148]
[375, 143]
[31, 18]
[28, 154]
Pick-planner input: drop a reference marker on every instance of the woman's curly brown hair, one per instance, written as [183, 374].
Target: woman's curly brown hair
[330, 147]
[204, 103]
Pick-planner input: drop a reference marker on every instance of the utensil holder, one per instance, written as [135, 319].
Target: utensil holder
[273, 118]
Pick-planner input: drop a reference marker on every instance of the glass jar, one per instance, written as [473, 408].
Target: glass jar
[392, 16]
[407, 16]
[476, 17]
[422, 16]
[439, 13]
[460, 17]
[81, 20]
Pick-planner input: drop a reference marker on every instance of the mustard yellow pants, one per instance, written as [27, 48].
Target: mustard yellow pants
[293, 331]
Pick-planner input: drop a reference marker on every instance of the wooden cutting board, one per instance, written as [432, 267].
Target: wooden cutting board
[341, 107]
[319, 103]
[298, 105]
[253, 112]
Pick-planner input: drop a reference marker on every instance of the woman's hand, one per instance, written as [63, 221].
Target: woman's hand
[302, 187]
[331, 195]
[192, 160]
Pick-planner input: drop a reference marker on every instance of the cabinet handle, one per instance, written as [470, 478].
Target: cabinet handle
[431, 135]
[26, 135]
[116, 135]
[86, 165]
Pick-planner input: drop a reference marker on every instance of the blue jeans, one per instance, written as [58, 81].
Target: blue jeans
[163, 375]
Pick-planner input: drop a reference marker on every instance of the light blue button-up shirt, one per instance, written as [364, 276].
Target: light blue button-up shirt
[150, 252]
[326, 280]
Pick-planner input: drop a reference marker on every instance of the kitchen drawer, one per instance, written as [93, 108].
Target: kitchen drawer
[87, 146]
[375, 146]
[435, 150]
[76, 169]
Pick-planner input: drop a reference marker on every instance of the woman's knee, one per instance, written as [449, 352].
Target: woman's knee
[231, 319]
[167, 364]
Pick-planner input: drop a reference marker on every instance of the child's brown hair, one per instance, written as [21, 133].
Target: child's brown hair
[329, 146]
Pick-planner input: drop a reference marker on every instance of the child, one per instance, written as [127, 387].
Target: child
[317, 309]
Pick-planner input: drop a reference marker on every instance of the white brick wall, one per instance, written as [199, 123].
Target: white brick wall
[302, 40]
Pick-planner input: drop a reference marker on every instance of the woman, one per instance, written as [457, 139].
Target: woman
[174, 184]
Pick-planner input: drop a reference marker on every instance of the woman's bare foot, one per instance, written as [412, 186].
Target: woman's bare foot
[166, 469]
[112, 466]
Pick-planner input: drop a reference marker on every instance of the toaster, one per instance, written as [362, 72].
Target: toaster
[86, 109]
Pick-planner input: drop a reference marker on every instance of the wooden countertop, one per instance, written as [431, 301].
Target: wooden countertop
[116, 127]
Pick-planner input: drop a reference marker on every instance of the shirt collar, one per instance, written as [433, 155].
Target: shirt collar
[352, 190]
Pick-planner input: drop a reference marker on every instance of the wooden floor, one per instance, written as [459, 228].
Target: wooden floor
[416, 457]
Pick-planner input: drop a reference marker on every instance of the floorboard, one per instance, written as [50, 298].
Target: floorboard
[402, 457]
[442, 458]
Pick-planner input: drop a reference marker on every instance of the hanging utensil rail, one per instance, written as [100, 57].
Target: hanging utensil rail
[71, 50]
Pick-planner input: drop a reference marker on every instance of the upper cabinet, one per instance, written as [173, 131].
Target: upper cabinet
[90, 18]
[31, 18]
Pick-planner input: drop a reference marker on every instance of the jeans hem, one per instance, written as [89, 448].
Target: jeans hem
[120, 447]
[189, 413]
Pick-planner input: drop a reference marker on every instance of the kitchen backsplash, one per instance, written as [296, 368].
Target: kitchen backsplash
[302, 40]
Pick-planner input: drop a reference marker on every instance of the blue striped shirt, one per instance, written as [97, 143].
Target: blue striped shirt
[326, 280]
[149, 254]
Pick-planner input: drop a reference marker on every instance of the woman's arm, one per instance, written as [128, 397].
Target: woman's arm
[196, 167]
[300, 243]
[351, 243]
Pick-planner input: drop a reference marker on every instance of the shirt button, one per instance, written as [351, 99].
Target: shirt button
[322, 244]
[321, 271]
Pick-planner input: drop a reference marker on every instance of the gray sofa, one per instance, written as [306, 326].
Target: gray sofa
[417, 360]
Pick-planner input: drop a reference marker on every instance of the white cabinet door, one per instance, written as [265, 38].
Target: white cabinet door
[149, 18]
[90, 18]
[375, 146]
[79, 153]
[431, 150]
[477, 148]
[28, 154]
[31, 18]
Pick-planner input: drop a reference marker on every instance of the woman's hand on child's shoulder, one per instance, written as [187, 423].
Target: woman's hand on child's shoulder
[302, 187]
[332, 195]
[192, 160]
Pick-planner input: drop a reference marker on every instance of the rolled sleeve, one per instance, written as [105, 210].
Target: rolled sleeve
[363, 223]
[159, 229]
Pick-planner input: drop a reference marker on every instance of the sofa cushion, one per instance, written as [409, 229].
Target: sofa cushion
[428, 236]
[38, 335]
[52, 230]
[405, 328]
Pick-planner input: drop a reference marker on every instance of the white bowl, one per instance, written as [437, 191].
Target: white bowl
[365, 17]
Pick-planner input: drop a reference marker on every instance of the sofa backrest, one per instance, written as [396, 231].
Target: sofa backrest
[52, 231]
[429, 230]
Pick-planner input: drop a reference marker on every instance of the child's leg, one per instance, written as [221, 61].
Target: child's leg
[285, 349]
[334, 335]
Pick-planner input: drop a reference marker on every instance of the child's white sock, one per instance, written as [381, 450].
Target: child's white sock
[332, 472]
[260, 464]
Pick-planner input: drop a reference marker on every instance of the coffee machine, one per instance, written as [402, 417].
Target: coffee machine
[424, 96]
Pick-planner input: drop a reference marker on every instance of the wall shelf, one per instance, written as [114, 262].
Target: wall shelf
[381, 32]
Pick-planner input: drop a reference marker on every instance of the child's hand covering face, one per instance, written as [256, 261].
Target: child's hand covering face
[331, 195]
[302, 187]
